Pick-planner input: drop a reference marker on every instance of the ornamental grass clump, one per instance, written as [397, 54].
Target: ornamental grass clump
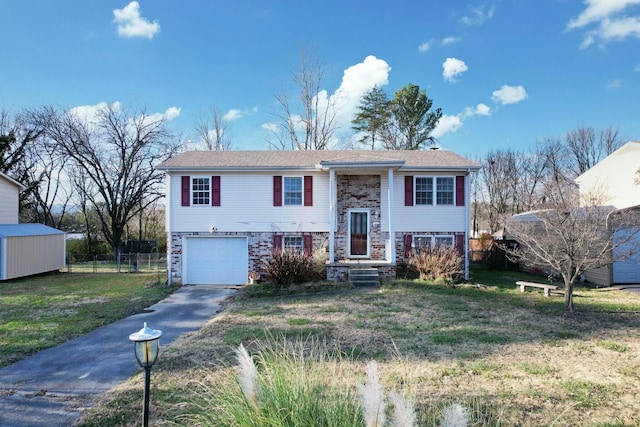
[441, 262]
[289, 267]
[300, 383]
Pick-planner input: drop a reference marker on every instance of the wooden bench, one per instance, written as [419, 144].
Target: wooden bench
[546, 288]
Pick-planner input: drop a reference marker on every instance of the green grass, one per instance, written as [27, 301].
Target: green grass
[511, 358]
[42, 311]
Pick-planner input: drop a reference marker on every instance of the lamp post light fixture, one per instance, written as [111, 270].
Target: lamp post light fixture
[146, 345]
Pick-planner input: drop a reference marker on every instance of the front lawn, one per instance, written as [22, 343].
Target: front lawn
[511, 359]
[42, 311]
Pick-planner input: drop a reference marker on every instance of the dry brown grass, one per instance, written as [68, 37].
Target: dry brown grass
[515, 357]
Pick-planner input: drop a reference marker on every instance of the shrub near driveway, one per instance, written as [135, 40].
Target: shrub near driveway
[509, 358]
[42, 311]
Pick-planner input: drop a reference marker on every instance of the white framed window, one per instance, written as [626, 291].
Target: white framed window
[444, 191]
[424, 190]
[200, 191]
[293, 243]
[292, 191]
[424, 241]
[443, 240]
[438, 191]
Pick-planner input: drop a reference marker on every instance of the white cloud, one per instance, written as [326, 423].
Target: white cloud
[131, 24]
[170, 114]
[611, 21]
[450, 40]
[479, 110]
[424, 47]
[89, 113]
[479, 15]
[356, 80]
[509, 94]
[452, 68]
[450, 123]
[446, 124]
[614, 84]
[232, 114]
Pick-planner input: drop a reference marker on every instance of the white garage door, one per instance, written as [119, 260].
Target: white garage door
[627, 269]
[215, 261]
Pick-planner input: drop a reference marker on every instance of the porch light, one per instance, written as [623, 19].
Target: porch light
[146, 346]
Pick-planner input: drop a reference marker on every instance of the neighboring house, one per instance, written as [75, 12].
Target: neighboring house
[228, 210]
[25, 249]
[9, 199]
[615, 176]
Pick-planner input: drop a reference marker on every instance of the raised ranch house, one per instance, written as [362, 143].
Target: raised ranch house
[228, 210]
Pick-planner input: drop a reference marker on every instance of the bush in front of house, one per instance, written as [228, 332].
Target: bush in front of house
[441, 262]
[289, 267]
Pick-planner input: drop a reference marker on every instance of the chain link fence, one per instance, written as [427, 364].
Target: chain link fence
[122, 263]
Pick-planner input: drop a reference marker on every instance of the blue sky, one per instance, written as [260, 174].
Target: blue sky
[506, 73]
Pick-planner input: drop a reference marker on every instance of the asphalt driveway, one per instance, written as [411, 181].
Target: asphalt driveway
[52, 387]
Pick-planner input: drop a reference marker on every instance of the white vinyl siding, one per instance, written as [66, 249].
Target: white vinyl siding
[9, 194]
[432, 218]
[247, 206]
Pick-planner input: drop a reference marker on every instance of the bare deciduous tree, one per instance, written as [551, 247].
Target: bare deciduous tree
[116, 154]
[585, 148]
[213, 131]
[305, 121]
[568, 238]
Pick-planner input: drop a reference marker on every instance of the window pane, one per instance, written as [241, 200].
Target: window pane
[424, 191]
[444, 191]
[421, 242]
[200, 191]
[293, 191]
[444, 240]
[293, 243]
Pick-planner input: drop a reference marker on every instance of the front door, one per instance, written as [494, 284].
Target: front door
[359, 233]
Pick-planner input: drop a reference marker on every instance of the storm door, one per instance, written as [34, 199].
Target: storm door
[359, 233]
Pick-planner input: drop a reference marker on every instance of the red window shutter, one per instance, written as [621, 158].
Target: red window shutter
[408, 241]
[277, 242]
[408, 190]
[277, 191]
[308, 191]
[460, 244]
[186, 190]
[215, 191]
[308, 244]
[459, 190]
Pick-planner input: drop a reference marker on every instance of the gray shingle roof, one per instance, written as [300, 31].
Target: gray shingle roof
[310, 159]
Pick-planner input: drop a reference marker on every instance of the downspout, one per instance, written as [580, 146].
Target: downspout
[392, 229]
[332, 214]
[467, 221]
[167, 227]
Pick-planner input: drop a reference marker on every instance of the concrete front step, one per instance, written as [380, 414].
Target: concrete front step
[364, 277]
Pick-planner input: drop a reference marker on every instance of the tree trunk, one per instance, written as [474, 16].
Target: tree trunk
[568, 297]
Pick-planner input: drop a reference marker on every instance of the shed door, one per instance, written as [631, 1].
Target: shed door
[215, 261]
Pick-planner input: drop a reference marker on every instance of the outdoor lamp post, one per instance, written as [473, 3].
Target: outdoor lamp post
[146, 345]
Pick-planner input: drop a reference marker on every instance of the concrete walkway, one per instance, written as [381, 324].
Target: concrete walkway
[52, 387]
